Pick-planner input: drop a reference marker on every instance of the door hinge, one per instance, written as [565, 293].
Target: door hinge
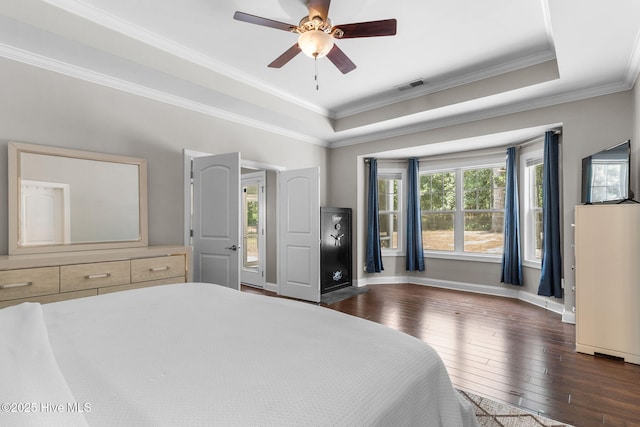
[191, 233]
[262, 273]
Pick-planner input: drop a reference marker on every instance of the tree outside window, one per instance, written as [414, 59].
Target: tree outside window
[438, 208]
[463, 209]
[483, 207]
[389, 199]
[533, 188]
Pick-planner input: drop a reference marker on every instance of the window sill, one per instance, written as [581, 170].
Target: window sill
[532, 264]
[392, 253]
[496, 259]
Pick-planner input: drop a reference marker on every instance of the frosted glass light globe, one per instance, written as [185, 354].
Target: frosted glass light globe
[315, 43]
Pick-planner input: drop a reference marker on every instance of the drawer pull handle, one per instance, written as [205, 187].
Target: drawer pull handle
[15, 285]
[98, 276]
[166, 267]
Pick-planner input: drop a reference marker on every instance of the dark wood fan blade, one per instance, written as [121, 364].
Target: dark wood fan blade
[318, 8]
[252, 19]
[385, 27]
[286, 57]
[340, 60]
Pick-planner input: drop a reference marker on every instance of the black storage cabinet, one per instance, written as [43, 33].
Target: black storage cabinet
[335, 248]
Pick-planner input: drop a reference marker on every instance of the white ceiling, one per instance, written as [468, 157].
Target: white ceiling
[477, 59]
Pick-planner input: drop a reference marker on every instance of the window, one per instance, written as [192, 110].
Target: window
[390, 202]
[463, 208]
[533, 172]
[484, 193]
[438, 207]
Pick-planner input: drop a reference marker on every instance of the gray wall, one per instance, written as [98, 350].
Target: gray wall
[42, 107]
[587, 126]
[272, 221]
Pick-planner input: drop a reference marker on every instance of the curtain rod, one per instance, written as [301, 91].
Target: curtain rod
[537, 138]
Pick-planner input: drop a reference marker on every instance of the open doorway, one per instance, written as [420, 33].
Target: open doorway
[269, 224]
[253, 226]
[292, 214]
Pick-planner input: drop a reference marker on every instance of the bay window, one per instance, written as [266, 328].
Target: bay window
[463, 208]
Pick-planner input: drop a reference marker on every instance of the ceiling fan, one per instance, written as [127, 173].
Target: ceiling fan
[317, 34]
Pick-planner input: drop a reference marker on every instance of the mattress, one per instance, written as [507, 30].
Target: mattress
[203, 355]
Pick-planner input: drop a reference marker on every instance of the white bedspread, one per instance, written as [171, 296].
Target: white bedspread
[203, 355]
[33, 391]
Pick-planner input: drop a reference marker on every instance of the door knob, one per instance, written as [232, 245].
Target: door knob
[233, 248]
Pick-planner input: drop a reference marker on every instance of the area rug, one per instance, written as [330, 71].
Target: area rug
[342, 294]
[497, 414]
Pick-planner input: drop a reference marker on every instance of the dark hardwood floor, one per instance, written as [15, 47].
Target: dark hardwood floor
[508, 350]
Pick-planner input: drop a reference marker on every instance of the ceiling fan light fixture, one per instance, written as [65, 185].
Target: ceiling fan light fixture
[315, 43]
[316, 34]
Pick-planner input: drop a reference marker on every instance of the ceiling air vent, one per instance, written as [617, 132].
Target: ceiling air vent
[410, 85]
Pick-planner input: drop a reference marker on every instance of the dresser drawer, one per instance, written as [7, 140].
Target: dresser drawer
[146, 269]
[96, 275]
[29, 282]
[46, 299]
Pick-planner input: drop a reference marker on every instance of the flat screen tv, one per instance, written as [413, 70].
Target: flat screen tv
[605, 175]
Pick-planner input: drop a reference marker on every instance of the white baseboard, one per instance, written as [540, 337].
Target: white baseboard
[540, 301]
[467, 287]
[537, 300]
[569, 317]
[272, 287]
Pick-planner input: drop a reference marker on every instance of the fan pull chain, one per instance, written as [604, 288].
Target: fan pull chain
[316, 77]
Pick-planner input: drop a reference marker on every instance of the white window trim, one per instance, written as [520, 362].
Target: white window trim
[464, 256]
[529, 154]
[458, 165]
[400, 174]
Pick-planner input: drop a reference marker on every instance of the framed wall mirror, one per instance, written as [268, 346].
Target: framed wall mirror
[70, 200]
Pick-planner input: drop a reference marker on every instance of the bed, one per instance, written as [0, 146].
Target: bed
[201, 355]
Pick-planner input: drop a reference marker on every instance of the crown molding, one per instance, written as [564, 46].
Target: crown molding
[484, 114]
[419, 122]
[91, 76]
[358, 136]
[101, 79]
[633, 67]
[135, 32]
[141, 34]
[437, 86]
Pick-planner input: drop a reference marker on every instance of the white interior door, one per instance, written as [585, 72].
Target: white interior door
[299, 234]
[216, 219]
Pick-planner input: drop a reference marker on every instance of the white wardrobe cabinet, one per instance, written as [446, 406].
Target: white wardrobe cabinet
[607, 249]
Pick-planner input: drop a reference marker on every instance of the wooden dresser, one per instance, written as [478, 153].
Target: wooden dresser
[60, 276]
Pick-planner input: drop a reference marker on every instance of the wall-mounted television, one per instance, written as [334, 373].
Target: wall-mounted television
[605, 175]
